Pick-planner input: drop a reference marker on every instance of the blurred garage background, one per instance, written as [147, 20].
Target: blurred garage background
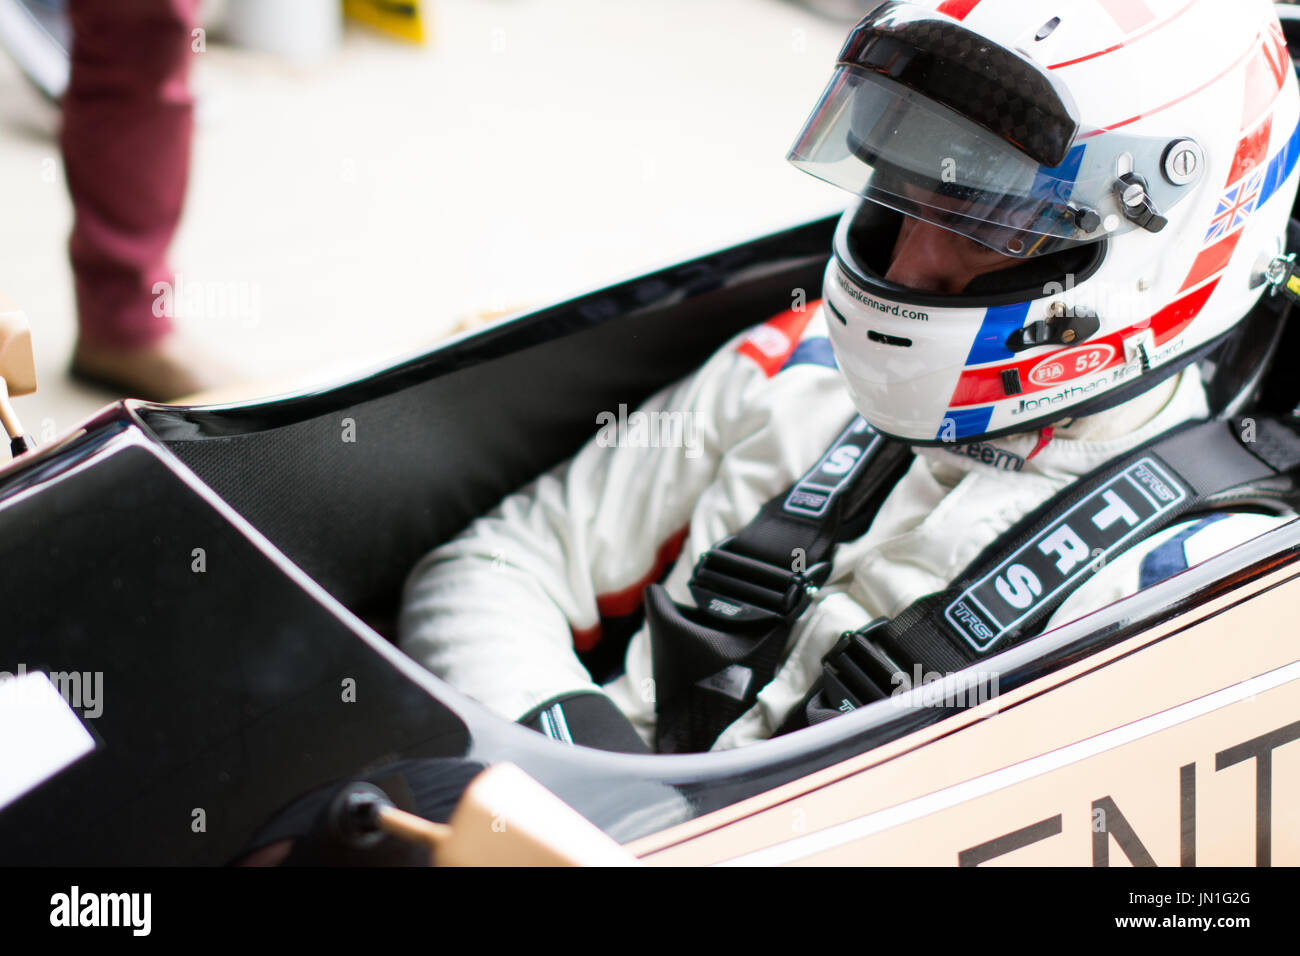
[355, 196]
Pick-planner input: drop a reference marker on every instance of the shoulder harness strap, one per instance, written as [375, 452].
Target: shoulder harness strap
[1011, 590]
[710, 661]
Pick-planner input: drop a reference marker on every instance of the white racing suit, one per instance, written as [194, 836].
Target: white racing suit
[497, 612]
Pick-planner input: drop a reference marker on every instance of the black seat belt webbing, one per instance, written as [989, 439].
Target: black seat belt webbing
[711, 660]
[1011, 590]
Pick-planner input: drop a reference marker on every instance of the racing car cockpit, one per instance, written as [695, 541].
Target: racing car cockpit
[213, 593]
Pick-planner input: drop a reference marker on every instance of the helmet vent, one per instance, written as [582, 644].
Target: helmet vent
[895, 340]
[1047, 29]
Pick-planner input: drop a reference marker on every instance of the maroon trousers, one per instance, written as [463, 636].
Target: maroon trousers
[128, 119]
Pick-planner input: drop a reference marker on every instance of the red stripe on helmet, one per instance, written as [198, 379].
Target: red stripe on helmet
[958, 9]
[1251, 151]
[1127, 40]
[1262, 87]
[1173, 318]
[983, 386]
[1212, 261]
[1277, 55]
[1174, 102]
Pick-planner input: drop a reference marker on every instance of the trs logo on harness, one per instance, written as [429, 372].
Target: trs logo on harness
[1066, 551]
[962, 611]
[812, 497]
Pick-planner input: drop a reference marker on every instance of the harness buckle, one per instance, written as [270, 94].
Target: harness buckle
[857, 672]
[734, 587]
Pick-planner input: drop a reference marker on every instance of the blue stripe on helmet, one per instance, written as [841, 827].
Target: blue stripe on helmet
[991, 341]
[1280, 167]
[962, 423]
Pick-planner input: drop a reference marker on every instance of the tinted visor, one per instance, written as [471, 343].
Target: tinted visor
[885, 130]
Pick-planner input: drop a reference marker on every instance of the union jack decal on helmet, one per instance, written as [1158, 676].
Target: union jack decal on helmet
[1234, 206]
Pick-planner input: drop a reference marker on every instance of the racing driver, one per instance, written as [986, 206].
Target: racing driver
[1061, 210]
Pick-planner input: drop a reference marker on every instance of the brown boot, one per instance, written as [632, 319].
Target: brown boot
[164, 371]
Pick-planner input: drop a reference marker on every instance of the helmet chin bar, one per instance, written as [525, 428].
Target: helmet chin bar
[1113, 398]
[861, 294]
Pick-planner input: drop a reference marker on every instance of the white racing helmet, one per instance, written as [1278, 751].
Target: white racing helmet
[1138, 156]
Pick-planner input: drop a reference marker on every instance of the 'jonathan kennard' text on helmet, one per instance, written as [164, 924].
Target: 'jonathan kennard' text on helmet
[1137, 155]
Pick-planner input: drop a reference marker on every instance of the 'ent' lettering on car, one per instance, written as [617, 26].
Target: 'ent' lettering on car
[1077, 544]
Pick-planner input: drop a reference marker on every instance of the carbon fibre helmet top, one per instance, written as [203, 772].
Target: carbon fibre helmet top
[1001, 91]
[1137, 159]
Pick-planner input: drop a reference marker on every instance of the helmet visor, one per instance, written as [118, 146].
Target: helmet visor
[888, 143]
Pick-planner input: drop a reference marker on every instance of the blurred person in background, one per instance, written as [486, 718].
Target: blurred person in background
[128, 122]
